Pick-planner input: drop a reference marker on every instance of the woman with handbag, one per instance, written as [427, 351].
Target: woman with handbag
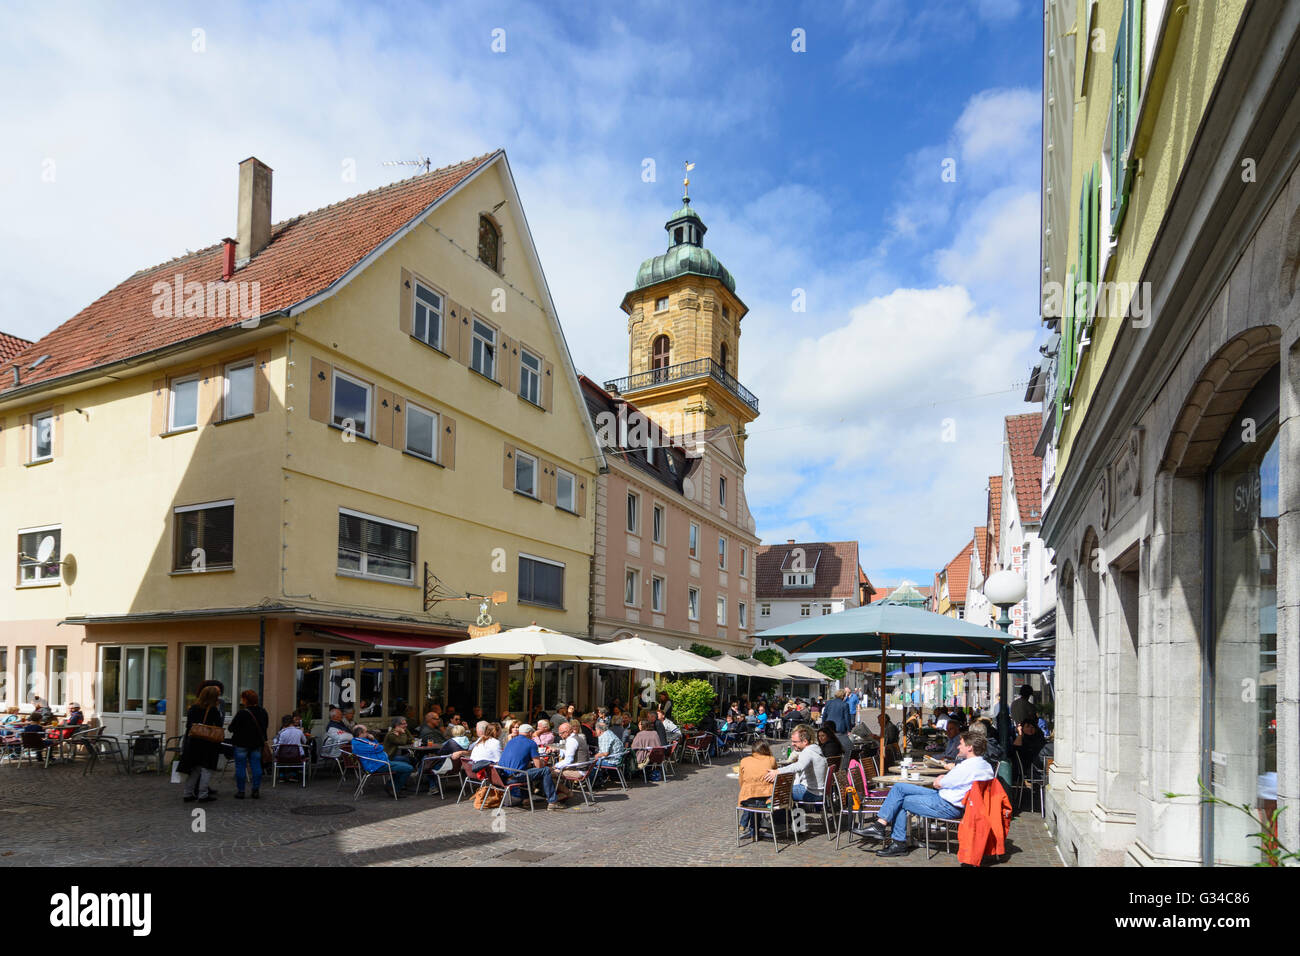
[248, 730]
[204, 734]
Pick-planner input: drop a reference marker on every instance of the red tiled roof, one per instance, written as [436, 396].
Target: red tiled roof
[11, 345]
[994, 520]
[836, 563]
[981, 543]
[958, 572]
[1026, 467]
[305, 256]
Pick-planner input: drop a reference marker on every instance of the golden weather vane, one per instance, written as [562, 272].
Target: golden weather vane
[686, 180]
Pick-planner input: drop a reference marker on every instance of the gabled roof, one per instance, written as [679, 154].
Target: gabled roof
[980, 552]
[836, 563]
[994, 521]
[670, 465]
[11, 345]
[958, 572]
[306, 256]
[1026, 467]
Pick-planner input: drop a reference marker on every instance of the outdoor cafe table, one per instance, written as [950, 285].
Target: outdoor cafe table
[924, 771]
[889, 779]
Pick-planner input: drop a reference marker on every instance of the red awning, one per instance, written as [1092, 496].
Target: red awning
[387, 640]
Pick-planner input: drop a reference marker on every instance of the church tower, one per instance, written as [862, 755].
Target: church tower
[684, 337]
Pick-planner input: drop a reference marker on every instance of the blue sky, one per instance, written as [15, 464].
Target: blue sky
[816, 170]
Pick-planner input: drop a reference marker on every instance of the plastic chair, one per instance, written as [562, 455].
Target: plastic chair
[579, 776]
[430, 764]
[613, 765]
[656, 759]
[697, 748]
[35, 742]
[103, 745]
[345, 760]
[782, 799]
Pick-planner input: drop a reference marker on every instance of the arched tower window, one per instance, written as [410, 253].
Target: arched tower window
[660, 354]
[489, 243]
[722, 356]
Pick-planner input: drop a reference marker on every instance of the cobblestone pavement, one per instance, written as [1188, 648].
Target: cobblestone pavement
[57, 817]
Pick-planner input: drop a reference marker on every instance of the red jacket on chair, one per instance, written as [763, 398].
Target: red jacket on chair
[985, 823]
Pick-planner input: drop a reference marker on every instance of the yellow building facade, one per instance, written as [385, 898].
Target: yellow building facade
[299, 503]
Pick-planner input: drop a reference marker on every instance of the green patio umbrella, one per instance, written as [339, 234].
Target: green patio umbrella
[885, 627]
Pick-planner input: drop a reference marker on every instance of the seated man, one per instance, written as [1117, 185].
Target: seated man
[574, 744]
[609, 749]
[809, 767]
[370, 754]
[671, 729]
[397, 736]
[520, 758]
[944, 802]
[950, 758]
[431, 734]
[336, 735]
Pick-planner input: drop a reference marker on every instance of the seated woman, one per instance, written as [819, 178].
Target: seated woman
[832, 750]
[487, 749]
[755, 791]
[544, 737]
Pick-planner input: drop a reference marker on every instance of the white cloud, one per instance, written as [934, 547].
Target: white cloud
[998, 125]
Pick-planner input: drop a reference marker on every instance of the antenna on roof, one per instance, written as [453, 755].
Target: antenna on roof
[422, 161]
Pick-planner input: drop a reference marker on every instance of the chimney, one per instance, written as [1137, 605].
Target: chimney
[254, 219]
[227, 259]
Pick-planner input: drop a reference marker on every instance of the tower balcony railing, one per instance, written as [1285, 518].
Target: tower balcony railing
[699, 368]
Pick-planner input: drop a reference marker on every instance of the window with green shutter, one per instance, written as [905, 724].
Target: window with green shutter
[1126, 83]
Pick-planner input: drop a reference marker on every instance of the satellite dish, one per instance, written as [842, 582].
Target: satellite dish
[69, 569]
[45, 549]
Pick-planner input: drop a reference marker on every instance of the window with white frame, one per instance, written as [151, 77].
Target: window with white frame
[661, 303]
[695, 540]
[722, 553]
[134, 679]
[352, 400]
[765, 610]
[827, 609]
[530, 377]
[566, 490]
[633, 512]
[237, 389]
[693, 603]
[525, 474]
[657, 594]
[805, 610]
[184, 403]
[31, 570]
[42, 437]
[204, 537]
[800, 579]
[658, 524]
[722, 609]
[427, 323]
[742, 618]
[421, 432]
[483, 349]
[541, 581]
[376, 547]
[56, 676]
[632, 588]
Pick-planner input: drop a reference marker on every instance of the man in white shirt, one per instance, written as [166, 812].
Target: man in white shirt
[575, 746]
[809, 767]
[945, 802]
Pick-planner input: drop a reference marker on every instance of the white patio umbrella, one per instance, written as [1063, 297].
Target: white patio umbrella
[800, 671]
[655, 657]
[528, 644]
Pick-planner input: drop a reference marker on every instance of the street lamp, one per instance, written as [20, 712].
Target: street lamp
[1003, 589]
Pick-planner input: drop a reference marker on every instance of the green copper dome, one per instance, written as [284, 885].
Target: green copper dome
[686, 254]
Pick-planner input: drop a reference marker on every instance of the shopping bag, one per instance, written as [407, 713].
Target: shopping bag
[176, 772]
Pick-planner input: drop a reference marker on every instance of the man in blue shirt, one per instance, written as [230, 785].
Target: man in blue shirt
[520, 757]
[853, 711]
[370, 753]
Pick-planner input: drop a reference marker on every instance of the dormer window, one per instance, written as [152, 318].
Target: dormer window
[489, 243]
[801, 579]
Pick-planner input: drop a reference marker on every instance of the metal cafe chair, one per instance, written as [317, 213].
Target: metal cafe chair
[782, 800]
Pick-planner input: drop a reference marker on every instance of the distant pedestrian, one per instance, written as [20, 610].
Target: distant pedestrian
[201, 748]
[248, 733]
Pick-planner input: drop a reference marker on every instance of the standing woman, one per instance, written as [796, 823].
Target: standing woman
[203, 736]
[248, 731]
